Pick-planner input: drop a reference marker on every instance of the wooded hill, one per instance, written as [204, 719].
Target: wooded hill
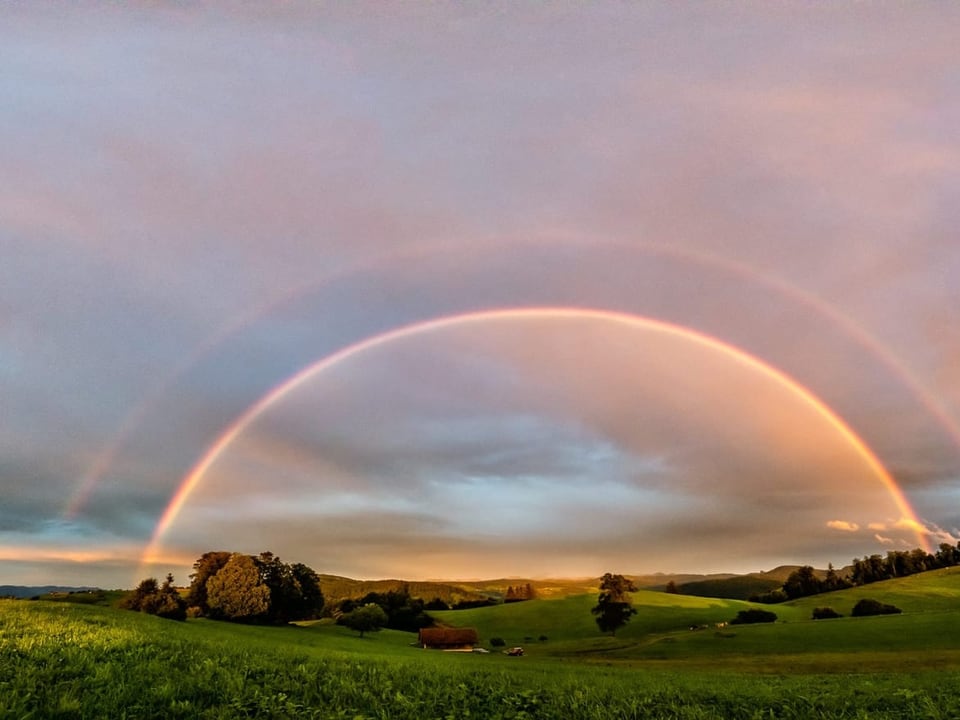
[337, 588]
[743, 587]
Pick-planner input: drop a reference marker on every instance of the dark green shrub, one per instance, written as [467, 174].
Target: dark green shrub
[874, 607]
[497, 642]
[825, 613]
[754, 615]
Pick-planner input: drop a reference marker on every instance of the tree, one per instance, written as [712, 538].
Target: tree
[310, 604]
[293, 591]
[169, 603]
[672, 588]
[802, 582]
[236, 592]
[285, 592]
[948, 555]
[833, 581]
[141, 595]
[206, 566]
[613, 608]
[368, 618]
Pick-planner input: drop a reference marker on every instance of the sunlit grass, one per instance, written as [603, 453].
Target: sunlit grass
[71, 661]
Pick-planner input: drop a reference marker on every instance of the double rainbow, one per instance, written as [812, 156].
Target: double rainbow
[195, 476]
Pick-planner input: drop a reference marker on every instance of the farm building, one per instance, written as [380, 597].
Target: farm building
[447, 638]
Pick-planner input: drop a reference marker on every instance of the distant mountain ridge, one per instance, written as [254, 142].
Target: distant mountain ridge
[336, 587]
[28, 591]
[743, 587]
[727, 585]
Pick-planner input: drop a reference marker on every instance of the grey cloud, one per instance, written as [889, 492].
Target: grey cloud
[183, 194]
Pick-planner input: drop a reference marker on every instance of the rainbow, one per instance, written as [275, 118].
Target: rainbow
[131, 422]
[195, 476]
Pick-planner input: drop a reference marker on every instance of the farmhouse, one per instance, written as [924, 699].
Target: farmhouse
[447, 638]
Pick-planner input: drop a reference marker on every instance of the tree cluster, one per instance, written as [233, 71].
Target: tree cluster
[900, 563]
[870, 569]
[804, 582]
[867, 607]
[162, 600]
[470, 604]
[518, 593]
[253, 588]
[402, 612]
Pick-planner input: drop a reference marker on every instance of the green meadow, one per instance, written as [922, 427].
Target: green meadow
[70, 660]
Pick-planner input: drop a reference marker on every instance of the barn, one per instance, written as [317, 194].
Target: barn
[447, 638]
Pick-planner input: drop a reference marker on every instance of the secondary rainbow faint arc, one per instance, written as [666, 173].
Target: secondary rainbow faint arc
[194, 477]
[135, 416]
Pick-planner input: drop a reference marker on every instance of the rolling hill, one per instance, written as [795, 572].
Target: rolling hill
[661, 629]
[72, 660]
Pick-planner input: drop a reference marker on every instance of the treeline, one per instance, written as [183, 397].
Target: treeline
[253, 588]
[402, 611]
[804, 581]
[336, 589]
[236, 587]
[899, 563]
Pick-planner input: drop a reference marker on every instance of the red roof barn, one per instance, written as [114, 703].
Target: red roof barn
[448, 638]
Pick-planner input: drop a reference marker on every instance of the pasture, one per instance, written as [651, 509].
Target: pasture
[63, 660]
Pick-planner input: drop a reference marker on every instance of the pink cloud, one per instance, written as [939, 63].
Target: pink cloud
[843, 525]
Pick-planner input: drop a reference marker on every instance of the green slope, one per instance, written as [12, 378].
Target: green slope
[740, 587]
[569, 618]
[925, 636]
[79, 661]
[933, 591]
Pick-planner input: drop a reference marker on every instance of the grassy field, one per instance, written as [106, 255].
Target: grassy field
[65, 660]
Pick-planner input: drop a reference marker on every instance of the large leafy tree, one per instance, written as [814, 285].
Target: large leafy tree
[613, 608]
[802, 582]
[237, 592]
[285, 593]
[206, 566]
[310, 604]
[291, 592]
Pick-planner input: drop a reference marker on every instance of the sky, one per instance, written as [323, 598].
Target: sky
[437, 290]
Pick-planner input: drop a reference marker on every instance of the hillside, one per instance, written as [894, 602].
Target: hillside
[28, 591]
[87, 661]
[741, 587]
[336, 588]
[661, 629]
[935, 591]
[72, 660]
[569, 618]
